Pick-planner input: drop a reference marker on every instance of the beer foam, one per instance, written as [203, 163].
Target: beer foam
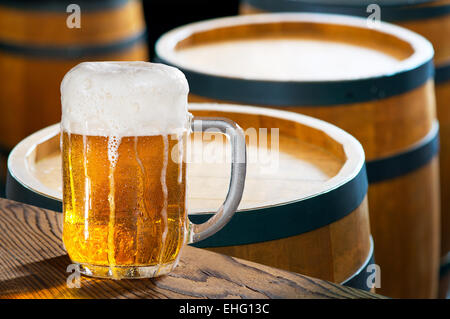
[124, 99]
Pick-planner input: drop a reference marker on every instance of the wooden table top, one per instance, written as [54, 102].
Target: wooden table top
[33, 264]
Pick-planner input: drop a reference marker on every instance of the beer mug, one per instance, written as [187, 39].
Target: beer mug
[124, 128]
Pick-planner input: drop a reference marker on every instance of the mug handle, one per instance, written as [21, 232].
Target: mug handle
[236, 135]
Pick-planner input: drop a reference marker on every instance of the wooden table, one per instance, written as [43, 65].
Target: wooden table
[33, 264]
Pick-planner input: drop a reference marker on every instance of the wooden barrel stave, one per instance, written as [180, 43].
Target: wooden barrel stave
[338, 253]
[432, 20]
[23, 113]
[421, 255]
[384, 127]
[443, 109]
[41, 26]
[395, 221]
[434, 28]
[388, 125]
[437, 29]
[37, 49]
[332, 256]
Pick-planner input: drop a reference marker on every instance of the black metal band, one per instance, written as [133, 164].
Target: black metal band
[16, 191]
[444, 269]
[442, 74]
[390, 13]
[291, 219]
[298, 93]
[4, 151]
[61, 6]
[72, 51]
[359, 279]
[403, 163]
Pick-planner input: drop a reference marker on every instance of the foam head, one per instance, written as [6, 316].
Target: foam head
[124, 99]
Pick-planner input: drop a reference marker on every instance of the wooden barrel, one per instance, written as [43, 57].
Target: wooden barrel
[388, 107]
[428, 18]
[37, 48]
[304, 206]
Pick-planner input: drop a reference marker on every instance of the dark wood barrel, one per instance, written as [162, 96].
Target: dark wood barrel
[391, 113]
[37, 48]
[307, 214]
[428, 18]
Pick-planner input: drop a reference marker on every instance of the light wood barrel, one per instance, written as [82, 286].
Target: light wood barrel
[428, 18]
[391, 112]
[37, 48]
[303, 210]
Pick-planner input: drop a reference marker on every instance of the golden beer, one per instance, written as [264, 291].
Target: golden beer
[132, 213]
[124, 128]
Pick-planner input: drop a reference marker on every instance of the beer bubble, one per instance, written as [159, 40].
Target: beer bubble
[113, 148]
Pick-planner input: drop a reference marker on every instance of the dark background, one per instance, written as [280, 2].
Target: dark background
[164, 15]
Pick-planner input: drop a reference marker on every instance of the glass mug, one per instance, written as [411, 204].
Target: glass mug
[124, 197]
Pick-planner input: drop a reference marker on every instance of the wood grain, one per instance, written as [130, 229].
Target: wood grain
[332, 252]
[34, 27]
[29, 103]
[33, 265]
[436, 30]
[443, 111]
[384, 127]
[29, 94]
[407, 225]
[407, 233]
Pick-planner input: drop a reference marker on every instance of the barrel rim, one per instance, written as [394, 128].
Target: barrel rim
[390, 11]
[345, 191]
[410, 73]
